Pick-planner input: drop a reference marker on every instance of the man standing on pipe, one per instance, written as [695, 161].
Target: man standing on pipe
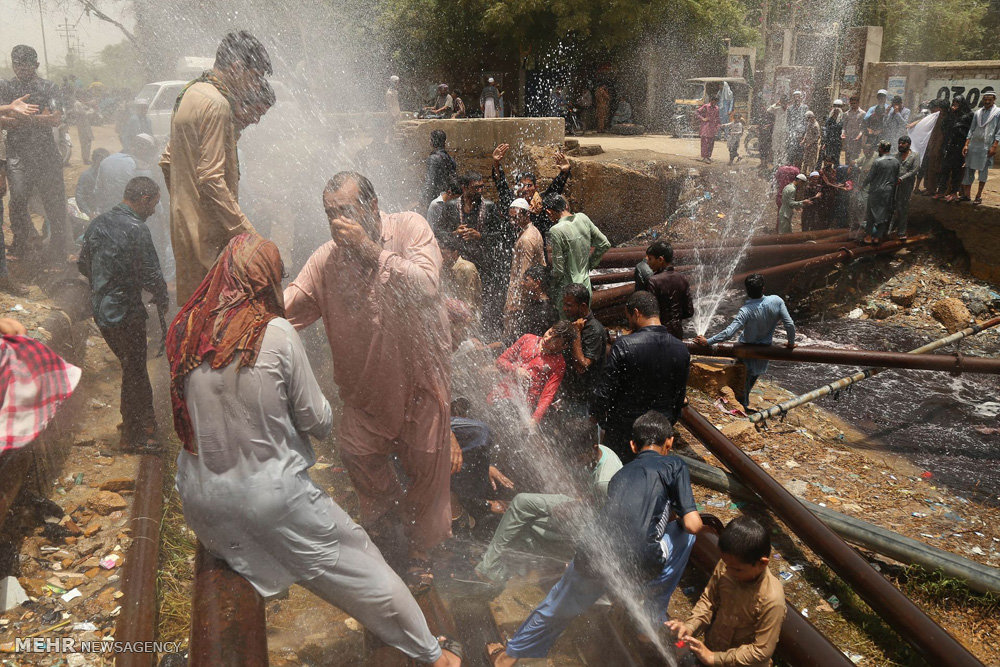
[757, 318]
[881, 182]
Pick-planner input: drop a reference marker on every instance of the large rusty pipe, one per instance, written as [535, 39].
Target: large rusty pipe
[761, 253]
[628, 275]
[826, 355]
[800, 643]
[765, 239]
[939, 647]
[137, 621]
[611, 296]
[228, 620]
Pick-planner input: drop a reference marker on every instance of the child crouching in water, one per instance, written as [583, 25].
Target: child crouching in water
[743, 605]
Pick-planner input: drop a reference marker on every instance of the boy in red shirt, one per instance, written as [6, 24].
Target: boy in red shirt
[533, 368]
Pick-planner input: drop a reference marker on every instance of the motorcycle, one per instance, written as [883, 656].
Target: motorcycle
[572, 116]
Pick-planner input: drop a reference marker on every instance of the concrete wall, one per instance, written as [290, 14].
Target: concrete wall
[923, 79]
[481, 135]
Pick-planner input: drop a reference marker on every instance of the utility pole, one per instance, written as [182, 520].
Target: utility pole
[45, 48]
[69, 32]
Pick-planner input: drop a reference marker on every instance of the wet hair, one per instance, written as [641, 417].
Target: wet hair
[577, 292]
[905, 139]
[22, 54]
[537, 272]
[644, 302]
[564, 329]
[449, 242]
[755, 285]
[242, 47]
[746, 540]
[963, 104]
[438, 138]
[99, 154]
[651, 430]
[897, 99]
[469, 177]
[884, 146]
[854, 98]
[661, 249]
[366, 190]
[555, 202]
[580, 435]
[452, 186]
[266, 96]
[139, 187]
[527, 176]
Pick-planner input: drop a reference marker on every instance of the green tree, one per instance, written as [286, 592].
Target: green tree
[928, 30]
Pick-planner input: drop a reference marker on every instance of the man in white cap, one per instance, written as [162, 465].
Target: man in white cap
[981, 144]
[489, 100]
[789, 203]
[796, 120]
[529, 250]
[882, 97]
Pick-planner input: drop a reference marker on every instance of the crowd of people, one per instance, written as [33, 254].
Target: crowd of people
[412, 306]
[864, 165]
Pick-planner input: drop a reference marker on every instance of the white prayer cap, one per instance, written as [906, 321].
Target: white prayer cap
[146, 138]
[394, 78]
[801, 177]
[797, 92]
[815, 173]
[990, 93]
[490, 80]
[521, 203]
[838, 103]
[810, 114]
[882, 91]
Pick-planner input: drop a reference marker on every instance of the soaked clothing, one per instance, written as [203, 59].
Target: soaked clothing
[577, 248]
[530, 518]
[440, 167]
[202, 174]
[461, 280]
[742, 620]
[789, 204]
[853, 121]
[881, 183]
[536, 316]
[85, 192]
[113, 175]
[641, 276]
[539, 218]
[757, 319]
[529, 250]
[649, 548]
[119, 260]
[984, 130]
[491, 254]
[546, 371]
[389, 336]
[673, 293]
[249, 498]
[594, 344]
[443, 216]
[34, 166]
[646, 370]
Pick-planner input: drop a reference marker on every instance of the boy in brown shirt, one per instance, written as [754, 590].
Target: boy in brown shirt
[743, 605]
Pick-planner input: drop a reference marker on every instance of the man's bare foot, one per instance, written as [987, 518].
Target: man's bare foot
[498, 656]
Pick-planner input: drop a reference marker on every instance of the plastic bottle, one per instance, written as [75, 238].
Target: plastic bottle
[685, 656]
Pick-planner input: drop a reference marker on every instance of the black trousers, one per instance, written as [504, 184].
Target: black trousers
[128, 342]
[43, 174]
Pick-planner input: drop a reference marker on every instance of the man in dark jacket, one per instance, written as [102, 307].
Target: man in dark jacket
[488, 242]
[646, 370]
[119, 260]
[526, 187]
[671, 289]
[440, 167]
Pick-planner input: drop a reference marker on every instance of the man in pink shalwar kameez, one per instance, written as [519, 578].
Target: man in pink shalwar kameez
[376, 286]
[708, 115]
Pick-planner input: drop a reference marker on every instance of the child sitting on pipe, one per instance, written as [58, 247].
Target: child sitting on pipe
[743, 605]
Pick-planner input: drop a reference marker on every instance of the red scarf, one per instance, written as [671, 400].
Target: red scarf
[224, 319]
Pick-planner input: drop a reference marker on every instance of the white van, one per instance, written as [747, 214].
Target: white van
[160, 96]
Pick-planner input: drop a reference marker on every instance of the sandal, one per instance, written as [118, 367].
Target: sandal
[451, 646]
[977, 201]
[494, 653]
[419, 576]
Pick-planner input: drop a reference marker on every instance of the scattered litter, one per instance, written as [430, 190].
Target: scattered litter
[926, 475]
[785, 576]
[854, 657]
[919, 515]
[797, 567]
[927, 535]
[978, 551]
[84, 627]
[352, 625]
[834, 601]
[110, 562]
[71, 595]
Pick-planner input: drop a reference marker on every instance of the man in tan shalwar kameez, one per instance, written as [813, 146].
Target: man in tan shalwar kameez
[529, 250]
[376, 286]
[200, 165]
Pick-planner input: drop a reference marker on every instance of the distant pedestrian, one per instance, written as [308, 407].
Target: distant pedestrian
[852, 130]
[489, 100]
[881, 182]
[708, 115]
[953, 163]
[602, 102]
[734, 134]
[809, 143]
[392, 98]
[981, 145]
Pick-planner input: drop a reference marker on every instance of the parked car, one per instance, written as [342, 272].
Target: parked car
[160, 96]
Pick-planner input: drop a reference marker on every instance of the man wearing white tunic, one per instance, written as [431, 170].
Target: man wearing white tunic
[245, 403]
[981, 145]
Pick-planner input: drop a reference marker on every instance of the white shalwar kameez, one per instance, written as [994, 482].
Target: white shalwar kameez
[248, 496]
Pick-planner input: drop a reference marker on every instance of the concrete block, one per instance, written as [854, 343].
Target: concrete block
[11, 594]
